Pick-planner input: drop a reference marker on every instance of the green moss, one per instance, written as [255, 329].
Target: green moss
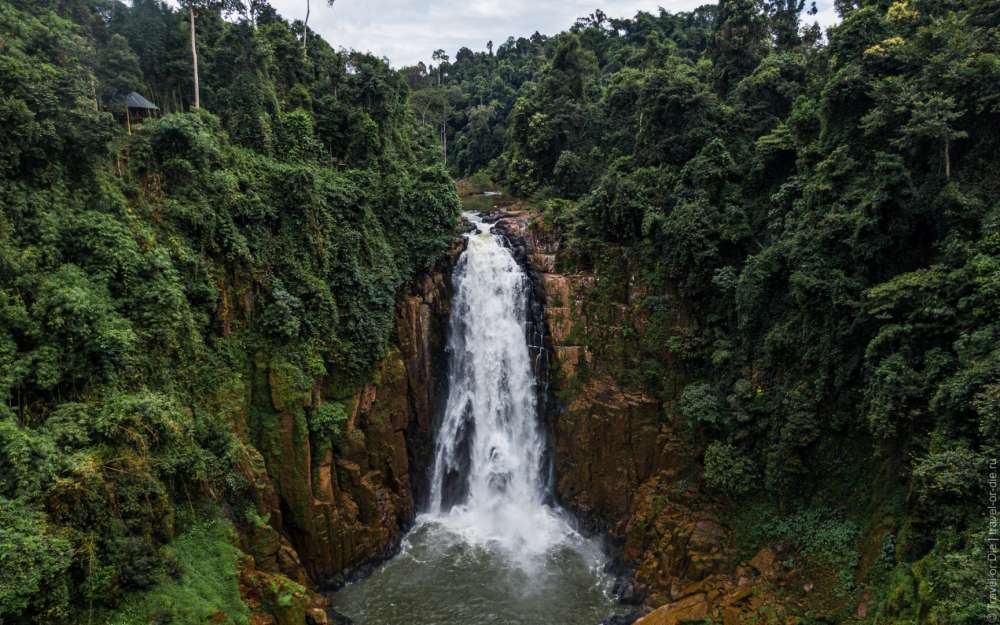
[205, 588]
[290, 386]
[945, 587]
[393, 371]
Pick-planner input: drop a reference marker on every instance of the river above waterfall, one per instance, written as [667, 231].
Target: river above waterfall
[491, 546]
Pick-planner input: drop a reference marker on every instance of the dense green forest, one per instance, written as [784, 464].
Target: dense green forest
[142, 272]
[827, 206]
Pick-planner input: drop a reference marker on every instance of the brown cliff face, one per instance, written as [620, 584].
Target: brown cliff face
[620, 462]
[324, 510]
[422, 327]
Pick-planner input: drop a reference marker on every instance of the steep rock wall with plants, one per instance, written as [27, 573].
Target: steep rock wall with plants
[346, 504]
[213, 323]
[628, 463]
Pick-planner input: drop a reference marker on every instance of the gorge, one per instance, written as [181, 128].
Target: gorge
[717, 343]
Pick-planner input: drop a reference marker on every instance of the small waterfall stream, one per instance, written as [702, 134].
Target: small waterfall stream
[489, 549]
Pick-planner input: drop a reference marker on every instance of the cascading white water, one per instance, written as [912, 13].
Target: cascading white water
[489, 549]
[489, 439]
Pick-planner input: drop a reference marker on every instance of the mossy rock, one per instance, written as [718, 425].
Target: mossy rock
[206, 587]
[291, 388]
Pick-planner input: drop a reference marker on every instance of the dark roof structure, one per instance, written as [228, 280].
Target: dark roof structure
[136, 101]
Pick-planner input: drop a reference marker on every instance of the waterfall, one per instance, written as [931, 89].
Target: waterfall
[489, 548]
[488, 482]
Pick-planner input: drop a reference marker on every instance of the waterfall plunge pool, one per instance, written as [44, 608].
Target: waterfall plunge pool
[489, 549]
[441, 578]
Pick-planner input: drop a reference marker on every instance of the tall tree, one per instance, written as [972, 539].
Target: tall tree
[257, 8]
[740, 40]
[305, 30]
[193, 7]
[118, 72]
[934, 117]
[442, 59]
[784, 18]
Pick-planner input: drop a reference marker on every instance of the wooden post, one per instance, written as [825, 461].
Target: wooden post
[128, 119]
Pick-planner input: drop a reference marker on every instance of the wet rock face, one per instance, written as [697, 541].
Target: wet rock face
[422, 328]
[619, 461]
[520, 241]
[330, 509]
[693, 608]
[604, 438]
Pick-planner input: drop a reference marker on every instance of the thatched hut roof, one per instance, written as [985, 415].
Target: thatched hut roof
[136, 101]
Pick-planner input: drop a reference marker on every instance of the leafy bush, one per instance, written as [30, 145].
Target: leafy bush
[701, 405]
[728, 470]
[328, 421]
[33, 565]
[948, 477]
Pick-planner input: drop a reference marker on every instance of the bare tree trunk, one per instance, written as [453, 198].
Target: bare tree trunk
[444, 125]
[947, 160]
[305, 34]
[194, 60]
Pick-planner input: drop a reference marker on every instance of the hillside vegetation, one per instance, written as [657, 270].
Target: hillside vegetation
[822, 207]
[141, 273]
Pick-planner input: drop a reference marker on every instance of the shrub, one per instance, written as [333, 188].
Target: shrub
[701, 405]
[33, 565]
[329, 420]
[950, 476]
[728, 470]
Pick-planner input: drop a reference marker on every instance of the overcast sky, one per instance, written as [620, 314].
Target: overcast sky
[408, 31]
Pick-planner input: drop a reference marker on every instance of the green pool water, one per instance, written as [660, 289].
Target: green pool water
[440, 578]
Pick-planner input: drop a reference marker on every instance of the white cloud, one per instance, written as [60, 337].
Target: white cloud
[409, 31]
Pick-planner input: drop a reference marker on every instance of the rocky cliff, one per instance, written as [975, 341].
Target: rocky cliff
[622, 461]
[325, 511]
